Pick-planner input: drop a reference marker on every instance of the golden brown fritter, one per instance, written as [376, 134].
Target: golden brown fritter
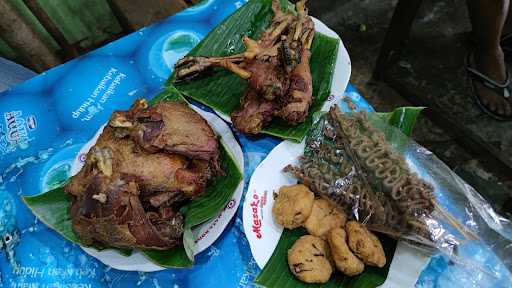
[324, 217]
[365, 244]
[293, 206]
[309, 260]
[346, 262]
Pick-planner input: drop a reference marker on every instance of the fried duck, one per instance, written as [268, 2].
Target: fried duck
[146, 164]
[276, 67]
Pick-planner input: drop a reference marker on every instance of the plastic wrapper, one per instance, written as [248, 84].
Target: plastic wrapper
[394, 186]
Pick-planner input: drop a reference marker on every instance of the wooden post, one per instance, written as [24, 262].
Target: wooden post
[45, 20]
[28, 44]
[121, 18]
[133, 15]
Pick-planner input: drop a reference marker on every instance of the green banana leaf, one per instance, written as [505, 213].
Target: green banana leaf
[52, 207]
[276, 272]
[403, 118]
[222, 90]
[170, 94]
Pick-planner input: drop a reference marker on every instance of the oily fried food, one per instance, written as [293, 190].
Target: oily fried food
[309, 261]
[146, 164]
[346, 262]
[169, 127]
[293, 206]
[324, 217]
[277, 68]
[365, 244]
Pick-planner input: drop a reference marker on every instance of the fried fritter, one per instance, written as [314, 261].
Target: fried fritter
[309, 261]
[365, 244]
[293, 206]
[345, 260]
[324, 217]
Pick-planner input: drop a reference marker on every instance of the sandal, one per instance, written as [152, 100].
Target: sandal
[504, 89]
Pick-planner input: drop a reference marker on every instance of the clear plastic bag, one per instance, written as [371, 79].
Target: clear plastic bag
[394, 186]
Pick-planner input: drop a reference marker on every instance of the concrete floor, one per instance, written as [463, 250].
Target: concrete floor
[362, 25]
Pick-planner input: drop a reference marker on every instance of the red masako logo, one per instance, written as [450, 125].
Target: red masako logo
[256, 205]
[256, 221]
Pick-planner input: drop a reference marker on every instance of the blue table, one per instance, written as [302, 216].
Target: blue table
[46, 120]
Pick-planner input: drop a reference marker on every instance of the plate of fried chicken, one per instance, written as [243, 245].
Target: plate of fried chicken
[277, 70]
[132, 178]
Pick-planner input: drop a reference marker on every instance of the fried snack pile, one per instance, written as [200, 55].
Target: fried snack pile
[146, 164]
[334, 242]
[352, 165]
[276, 67]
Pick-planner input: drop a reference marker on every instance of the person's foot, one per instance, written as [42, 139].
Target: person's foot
[492, 64]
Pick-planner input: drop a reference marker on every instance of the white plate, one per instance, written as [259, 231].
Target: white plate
[342, 69]
[205, 233]
[263, 232]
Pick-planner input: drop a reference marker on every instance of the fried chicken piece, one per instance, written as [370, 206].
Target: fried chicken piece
[110, 212]
[276, 67]
[299, 97]
[254, 113]
[141, 170]
[171, 127]
[154, 171]
[268, 77]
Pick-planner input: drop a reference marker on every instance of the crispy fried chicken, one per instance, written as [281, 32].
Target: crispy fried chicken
[146, 164]
[276, 67]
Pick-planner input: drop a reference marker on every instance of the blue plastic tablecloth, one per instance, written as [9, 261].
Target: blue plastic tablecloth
[45, 121]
